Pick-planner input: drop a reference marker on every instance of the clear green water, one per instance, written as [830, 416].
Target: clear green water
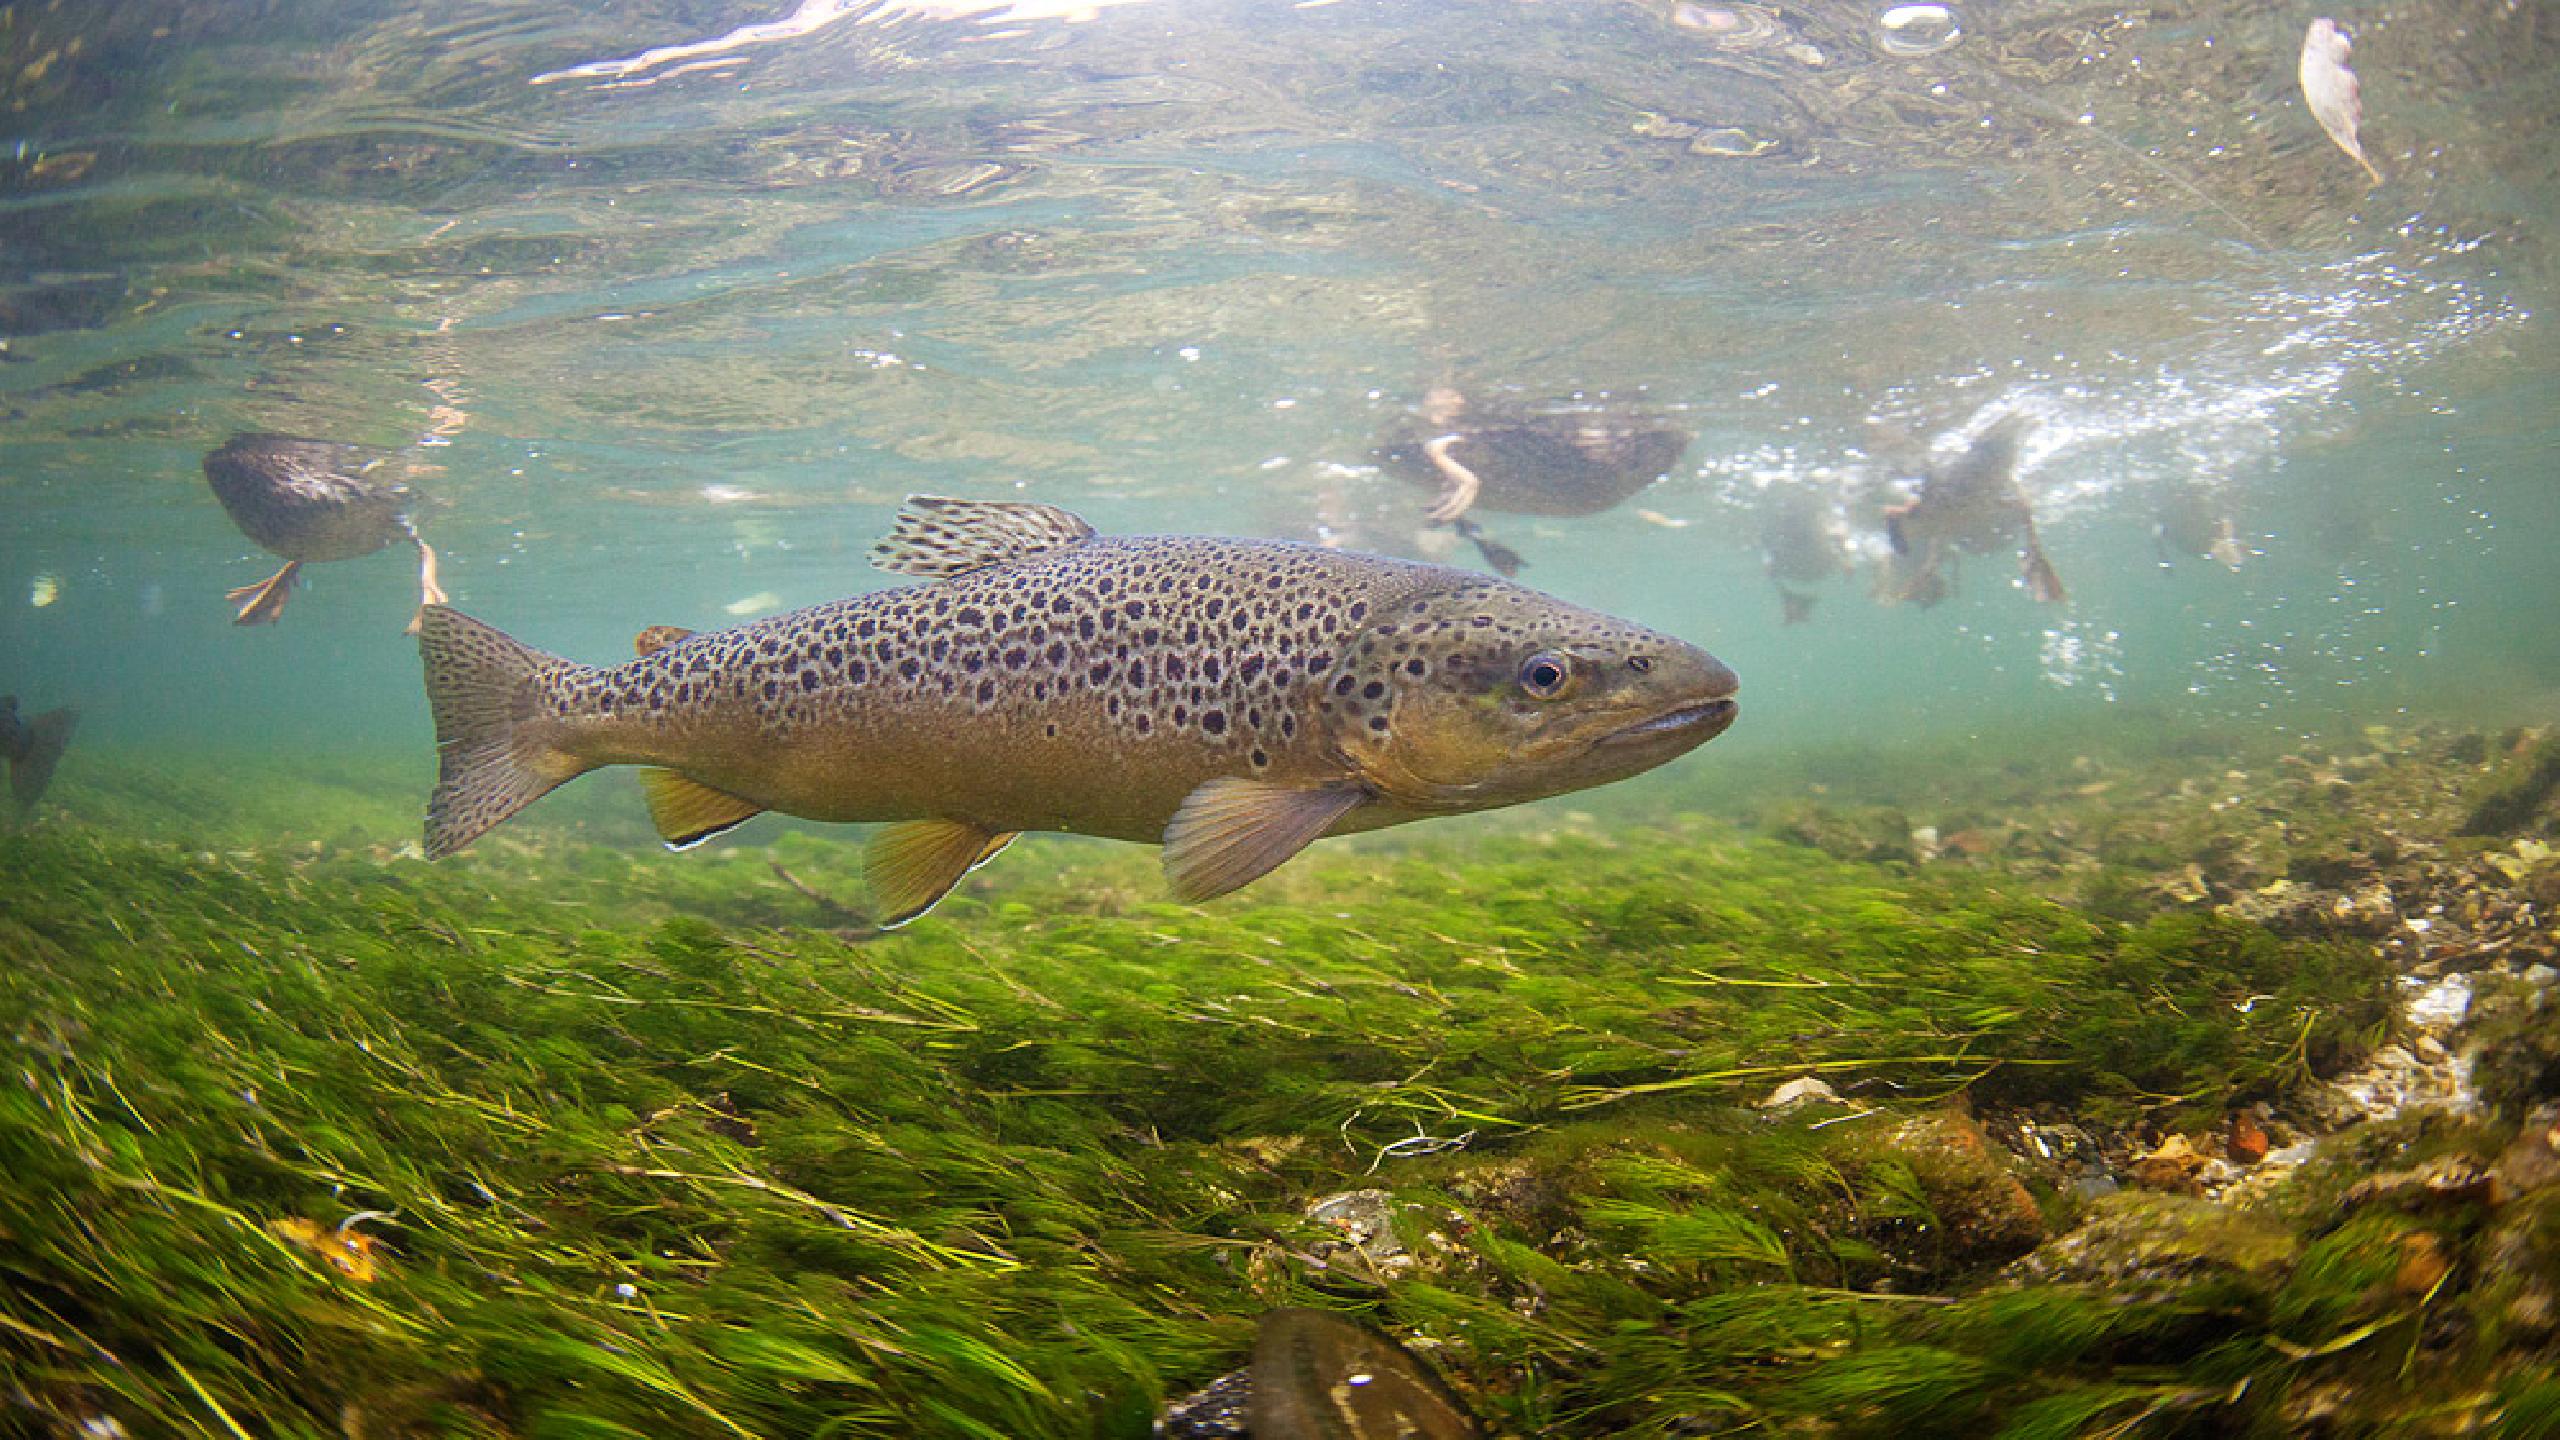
[678, 309]
[1177, 264]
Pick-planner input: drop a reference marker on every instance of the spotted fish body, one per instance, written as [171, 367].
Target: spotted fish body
[1233, 699]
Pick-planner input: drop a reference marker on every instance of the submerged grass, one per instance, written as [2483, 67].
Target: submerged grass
[588, 1143]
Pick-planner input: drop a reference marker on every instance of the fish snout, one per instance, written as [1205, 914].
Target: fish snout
[1693, 700]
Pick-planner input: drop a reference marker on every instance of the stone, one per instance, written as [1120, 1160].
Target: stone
[1798, 1093]
[2145, 1240]
[1985, 1214]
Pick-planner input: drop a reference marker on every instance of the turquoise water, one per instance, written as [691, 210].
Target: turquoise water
[677, 331]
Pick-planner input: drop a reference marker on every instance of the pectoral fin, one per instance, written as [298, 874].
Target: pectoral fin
[911, 865]
[688, 812]
[1232, 832]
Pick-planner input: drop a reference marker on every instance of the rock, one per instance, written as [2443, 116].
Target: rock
[1366, 1222]
[2514, 794]
[1798, 1093]
[1216, 1411]
[1866, 833]
[1985, 1215]
[2519, 1267]
[2145, 1240]
[2445, 1182]
[1317, 1376]
[2423, 1264]
[2393, 1080]
[2532, 1161]
[2173, 1166]
[2441, 1006]
[2514, 1040]
[2246, 1140]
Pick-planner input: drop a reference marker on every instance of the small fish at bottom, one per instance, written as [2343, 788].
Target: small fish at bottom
[32, 748]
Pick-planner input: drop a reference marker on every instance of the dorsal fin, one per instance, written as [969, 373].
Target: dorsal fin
[659, 637]
[938, 537]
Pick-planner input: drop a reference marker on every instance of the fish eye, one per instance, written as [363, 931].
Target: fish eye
[1640, 663]
[1545, 675]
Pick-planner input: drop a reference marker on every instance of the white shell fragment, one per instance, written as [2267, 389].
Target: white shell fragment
[2330, 88]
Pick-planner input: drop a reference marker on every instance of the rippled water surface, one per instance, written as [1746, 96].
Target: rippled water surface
[667, 303]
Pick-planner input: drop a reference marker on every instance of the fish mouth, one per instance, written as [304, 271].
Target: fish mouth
[1704, 720]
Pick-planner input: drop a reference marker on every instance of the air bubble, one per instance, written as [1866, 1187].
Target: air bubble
[1917, 29]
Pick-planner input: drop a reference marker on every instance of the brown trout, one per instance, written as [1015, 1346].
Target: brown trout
[1233, 700]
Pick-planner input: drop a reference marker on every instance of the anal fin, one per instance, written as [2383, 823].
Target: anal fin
[911, 865]
[1232, 832]
[688, 812]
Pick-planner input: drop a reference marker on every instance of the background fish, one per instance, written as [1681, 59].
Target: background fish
[32, 748]
[1233, 700]
[311, 501]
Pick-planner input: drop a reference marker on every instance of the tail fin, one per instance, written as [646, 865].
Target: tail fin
[497, 752]
[45, 738]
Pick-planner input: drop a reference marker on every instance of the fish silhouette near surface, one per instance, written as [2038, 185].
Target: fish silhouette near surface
[1566, 463]
[2191, 519]
[1233, 700]
[1971, 504]
[1317, 1376]
[1803, 541]
[311, 501]
[32, 748]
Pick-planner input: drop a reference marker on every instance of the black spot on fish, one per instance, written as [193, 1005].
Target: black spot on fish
[1215, 722]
